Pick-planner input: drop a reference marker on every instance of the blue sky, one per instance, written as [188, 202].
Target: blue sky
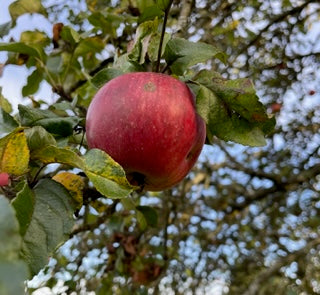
[15, 77]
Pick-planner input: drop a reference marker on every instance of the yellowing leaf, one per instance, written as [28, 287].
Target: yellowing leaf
[99, 206]
[14, 153]
[74, 184]
[107, 175]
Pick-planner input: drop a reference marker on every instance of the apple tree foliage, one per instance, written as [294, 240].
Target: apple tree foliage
[247, 215]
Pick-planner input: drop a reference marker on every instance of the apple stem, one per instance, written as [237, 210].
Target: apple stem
[165, 19]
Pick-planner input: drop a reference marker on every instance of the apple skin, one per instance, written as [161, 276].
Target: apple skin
[4, 179]
[148, 123]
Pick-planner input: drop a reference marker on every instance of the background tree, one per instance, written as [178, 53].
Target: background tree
[246, 218]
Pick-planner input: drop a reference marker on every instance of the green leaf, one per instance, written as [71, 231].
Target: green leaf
[59, 126]
[35, 38]
[89, 46]
[142, 221]
[53, 154]
[151, 13]
[23, 203]
[125, 64]
[181, 54]
[7, 122]
[9, 231]
[12, 277]
[107, 22]
[56, 63]
[13, 271]
[231, 109]
[33, 83]
[226, 124]
[163, 4]
[5, 29]
[70, 35]
[50, 224]
[38, 137]
[107, 176]
[21, 7]
[4, 103]
[20, 47]
[154, 44]
[150, 215]
[240, 95]
[140, 45]
[104, 76]
[14, 153]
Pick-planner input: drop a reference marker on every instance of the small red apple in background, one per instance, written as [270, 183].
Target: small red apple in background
[276, 107]
[312, 92]
[4, 179]
[147, 122]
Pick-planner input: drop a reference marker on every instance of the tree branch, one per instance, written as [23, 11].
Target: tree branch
[186, 9]
[277, 19]
[100, 220]
[267, 273]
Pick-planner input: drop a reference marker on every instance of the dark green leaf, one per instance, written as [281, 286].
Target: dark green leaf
[13, 271]
[105, 76]
[231, 110]
[5, 28]
[50, 225]
[24, 206]
[181, 54]
[33, 83]
[59, 126]
[150, 215]
[7, 122]
[20, 47]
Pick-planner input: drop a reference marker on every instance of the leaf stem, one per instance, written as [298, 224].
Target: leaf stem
[165, 19]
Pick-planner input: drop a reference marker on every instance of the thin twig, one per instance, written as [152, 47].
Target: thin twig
[165, 19]
[101, 219]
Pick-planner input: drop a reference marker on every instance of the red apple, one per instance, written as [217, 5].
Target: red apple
[147, 122]
[4, 179]
[312, 92]
[276, 107]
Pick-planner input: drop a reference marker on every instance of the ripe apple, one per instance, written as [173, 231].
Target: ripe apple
[4, 179]
[148, 123]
